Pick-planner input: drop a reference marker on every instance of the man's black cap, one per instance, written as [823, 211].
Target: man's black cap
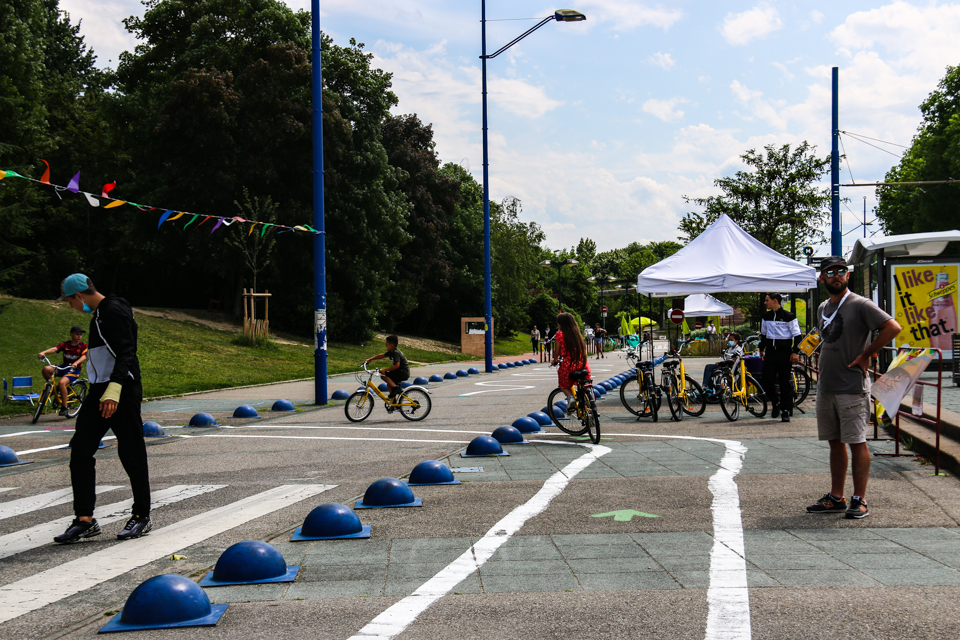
[832, 261]
[76, 329]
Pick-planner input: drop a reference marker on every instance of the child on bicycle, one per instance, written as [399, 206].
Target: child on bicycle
[74, 354]
[396, 372]
[734, 350]
[572, 350]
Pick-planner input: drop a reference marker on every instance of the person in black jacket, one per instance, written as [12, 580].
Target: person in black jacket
[780, 338]
[112, 403]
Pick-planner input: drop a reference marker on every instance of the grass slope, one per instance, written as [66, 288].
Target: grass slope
[175, 357]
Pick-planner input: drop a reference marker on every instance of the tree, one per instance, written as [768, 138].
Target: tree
[777, 202]
[934, 154]
[253, 245]
[515, 249]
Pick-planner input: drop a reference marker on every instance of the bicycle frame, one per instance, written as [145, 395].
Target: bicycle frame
[400, 401]
[54, 383]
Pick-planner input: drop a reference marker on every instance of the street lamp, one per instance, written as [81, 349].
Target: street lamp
[602, 279]
[560, 15]
[559, 265]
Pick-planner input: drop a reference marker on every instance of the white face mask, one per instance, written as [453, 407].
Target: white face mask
[731, 343]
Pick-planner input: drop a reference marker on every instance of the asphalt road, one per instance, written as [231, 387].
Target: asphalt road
[694, 529]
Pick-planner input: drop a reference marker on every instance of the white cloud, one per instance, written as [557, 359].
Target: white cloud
[763, 109]
[783, 69]
[663, 60]
[664, 109]
[629, 14]
[741, 28]
[816, 17]
[102, 26]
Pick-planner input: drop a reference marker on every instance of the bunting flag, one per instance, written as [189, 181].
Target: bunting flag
[168, 215]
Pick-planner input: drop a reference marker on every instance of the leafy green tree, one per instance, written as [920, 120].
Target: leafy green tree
[777, 201]
[934, 154]
[514, 249]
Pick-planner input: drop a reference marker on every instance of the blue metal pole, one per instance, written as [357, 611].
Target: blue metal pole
[836, 247]
[488, 295]
[319, 244]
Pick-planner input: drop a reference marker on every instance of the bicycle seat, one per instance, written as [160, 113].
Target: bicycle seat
[580, 376]
[645, 365]
[671, 364]
[725, 364]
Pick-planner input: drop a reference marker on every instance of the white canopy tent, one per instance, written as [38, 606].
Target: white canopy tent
[725, 259]
[703, 304]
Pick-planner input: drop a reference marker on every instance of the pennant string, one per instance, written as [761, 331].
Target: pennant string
[45, 178]
[107, 188]
[163, 218]
[217, 226]
[192, 220]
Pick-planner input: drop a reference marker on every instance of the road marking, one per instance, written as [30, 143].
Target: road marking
[2, 489]
[398, 617]
[22, 433]
[59, 446]
[170, 410]
[502, 387]
[42, 501]
[42, 534]
[624, 515]
[57, 583]
[230, 435]
[303, 426]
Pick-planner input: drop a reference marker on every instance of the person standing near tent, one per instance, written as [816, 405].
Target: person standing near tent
[599, 334]
[547, 345]
[846, 322]
[535, 339]
[711, 331]
[779, 345]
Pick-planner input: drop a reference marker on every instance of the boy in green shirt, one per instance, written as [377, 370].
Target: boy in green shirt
[398, 371]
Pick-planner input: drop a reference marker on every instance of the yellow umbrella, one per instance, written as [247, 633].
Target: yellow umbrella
[641, 322]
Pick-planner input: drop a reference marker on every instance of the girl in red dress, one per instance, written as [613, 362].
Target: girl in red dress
[573, 351]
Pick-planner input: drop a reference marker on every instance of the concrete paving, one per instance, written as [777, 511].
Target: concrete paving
[571, 570]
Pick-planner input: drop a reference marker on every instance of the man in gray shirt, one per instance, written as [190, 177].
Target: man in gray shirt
[846, 322]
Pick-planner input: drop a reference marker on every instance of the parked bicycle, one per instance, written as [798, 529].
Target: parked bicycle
[737, 388]
[684, 394]
[640, 393]
[76, 392]
[585, 408]
[413, 402]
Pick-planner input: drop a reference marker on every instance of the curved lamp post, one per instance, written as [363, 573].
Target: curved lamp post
[606, 278]
[559, 265]
[560, 15]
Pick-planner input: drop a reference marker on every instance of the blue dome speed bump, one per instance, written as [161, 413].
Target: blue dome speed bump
[542, 418]
[8, 457]
[518, 364]
[436, 378]
[340, 394]
[449, 375]
[102, 445]
[166, 602]
[462, 374]
[282, 405]
[510, 365]
[250, 562]
[601, 391]
[483, 446]
[388, 492]
[153, 430]
[431, 472]
[245, 411]
[527, 425]
[382, 386]
[561, 404]
[508, 435]
[203, 419]
[420, 380]
[502, 365]
[331, 521]
[473, 371]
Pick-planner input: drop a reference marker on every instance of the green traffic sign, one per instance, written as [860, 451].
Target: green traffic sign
[624, 515]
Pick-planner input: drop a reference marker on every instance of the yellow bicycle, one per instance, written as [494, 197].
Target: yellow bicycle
[76, 392]
[738, 388]
[413, 403]
[684, 394]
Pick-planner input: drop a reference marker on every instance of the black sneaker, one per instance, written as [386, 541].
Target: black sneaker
[784, 417]
[775, 412]
[858, 509]
[828, 504]
[77, 531]
[136, 526]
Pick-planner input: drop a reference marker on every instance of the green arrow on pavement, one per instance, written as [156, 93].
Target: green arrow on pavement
[624, 515]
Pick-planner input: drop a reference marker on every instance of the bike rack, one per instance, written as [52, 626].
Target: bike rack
[920, 418]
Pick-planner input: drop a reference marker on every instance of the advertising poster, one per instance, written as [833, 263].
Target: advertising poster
[925, 305]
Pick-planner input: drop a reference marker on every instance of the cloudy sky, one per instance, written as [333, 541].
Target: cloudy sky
[600, 127]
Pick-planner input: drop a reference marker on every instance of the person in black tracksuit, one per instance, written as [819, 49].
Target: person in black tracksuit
[780, 338]
[112, 403]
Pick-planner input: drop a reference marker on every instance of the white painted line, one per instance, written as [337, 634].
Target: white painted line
[226, 435]
[304, 426]
[42, 501]
[170, 410]
[398, 617]
[22, 433]
[42, 534]
[2, 489]
[57, 583]
[501, 386]
[728, 597]
[59, 446]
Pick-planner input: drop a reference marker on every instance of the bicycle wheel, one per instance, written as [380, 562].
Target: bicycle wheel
[632, 398]
[669, 385]
[565, 424]
[652, 393]
[42, 402]
[756, 398]
[801, 385]
[695, 401]
[729, 404]
[414, 404]
[592, 418]
[78, 391]
[358, 406]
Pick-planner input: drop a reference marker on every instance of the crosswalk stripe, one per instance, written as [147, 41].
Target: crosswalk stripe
[52, 585]
[2, 489]
[42, 534]
[42, 501]
[58, 446]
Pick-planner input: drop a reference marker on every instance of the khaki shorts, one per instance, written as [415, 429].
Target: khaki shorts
[843, 416]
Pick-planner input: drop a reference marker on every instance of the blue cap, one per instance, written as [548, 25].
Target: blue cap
[74, 284]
